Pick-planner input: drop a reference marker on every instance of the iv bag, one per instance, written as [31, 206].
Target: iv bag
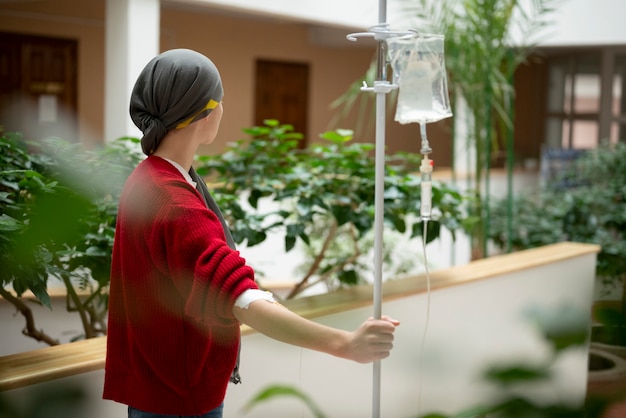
[419, 70]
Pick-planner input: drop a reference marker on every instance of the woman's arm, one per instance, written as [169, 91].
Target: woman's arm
[371, 341]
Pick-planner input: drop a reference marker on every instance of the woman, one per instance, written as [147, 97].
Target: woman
[179, 289]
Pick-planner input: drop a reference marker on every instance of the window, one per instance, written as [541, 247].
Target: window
[586, 103]
[618, 101]
[38, 85]
[574, 102]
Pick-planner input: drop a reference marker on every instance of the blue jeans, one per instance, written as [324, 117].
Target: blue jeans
[136, 413]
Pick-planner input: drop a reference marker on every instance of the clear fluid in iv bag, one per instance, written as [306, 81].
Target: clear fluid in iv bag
[419, 69]
[417, 98]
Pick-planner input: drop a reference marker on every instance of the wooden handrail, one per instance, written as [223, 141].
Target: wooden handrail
[49, 363]
[45, 364]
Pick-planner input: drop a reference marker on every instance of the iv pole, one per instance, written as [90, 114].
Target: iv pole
[379, 190]
[381, 87]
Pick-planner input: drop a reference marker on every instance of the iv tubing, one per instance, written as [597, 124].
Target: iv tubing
[426, 149]
[426, 321]
[426, 169]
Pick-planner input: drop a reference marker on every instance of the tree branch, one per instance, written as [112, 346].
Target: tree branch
[72, 296]
[30, 330]
[316, 263]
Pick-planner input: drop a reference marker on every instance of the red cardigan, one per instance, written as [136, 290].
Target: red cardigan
[172, 339]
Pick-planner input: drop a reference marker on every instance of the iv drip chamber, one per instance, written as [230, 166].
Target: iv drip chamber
[426, 198]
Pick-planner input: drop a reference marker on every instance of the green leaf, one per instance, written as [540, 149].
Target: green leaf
[478, 411]
[563, 326]
[339, 136]
[363, 222]
[280, 391]
[397, 221]
[305, 238]
[349, 277]
[9, 224]
[255, 237]
[271, 122]
[97, 252]
[39, 290]
[290, 242]
[253, 199]
[342, 213]
[510, 375]
[256, 131]
[293, 230]
[433, 230]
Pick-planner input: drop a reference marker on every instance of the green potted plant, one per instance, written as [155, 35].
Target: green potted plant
[590, 210]
[322, 197]
[600, 217]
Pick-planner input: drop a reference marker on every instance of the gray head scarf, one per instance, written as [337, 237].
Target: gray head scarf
[176, 88]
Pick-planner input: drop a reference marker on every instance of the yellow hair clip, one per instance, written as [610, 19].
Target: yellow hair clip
[211, 105]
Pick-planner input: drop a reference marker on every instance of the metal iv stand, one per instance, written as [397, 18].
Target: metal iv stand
[381, 87]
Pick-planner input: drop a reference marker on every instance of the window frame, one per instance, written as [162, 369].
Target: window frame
[604, 117]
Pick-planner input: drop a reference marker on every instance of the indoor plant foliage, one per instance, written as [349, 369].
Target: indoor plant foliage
[590, 210]
[320, 194]
[57, 221]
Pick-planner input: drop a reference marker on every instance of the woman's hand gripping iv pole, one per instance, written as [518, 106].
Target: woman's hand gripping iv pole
[426, 169]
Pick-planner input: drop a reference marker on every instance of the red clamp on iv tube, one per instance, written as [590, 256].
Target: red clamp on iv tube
[426, 168]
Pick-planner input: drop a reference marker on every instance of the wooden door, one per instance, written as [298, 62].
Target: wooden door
[282, 92]
[38, 86]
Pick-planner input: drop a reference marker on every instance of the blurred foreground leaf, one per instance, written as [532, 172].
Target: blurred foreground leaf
[274, 391]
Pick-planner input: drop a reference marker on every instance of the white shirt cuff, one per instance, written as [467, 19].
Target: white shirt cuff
[246, 298]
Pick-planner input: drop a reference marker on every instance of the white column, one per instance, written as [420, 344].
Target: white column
[464, 150]
[132, 39]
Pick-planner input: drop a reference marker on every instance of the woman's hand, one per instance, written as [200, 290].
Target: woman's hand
[372, 341]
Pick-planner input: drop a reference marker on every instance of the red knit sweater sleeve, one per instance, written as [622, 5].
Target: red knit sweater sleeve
[199, 252]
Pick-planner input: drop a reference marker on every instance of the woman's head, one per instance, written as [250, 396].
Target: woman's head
[175, 89]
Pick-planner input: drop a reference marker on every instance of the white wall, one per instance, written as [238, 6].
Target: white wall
[576, 22]
[346, 13]
[471, 327]
[58, 323]
[585, 22]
